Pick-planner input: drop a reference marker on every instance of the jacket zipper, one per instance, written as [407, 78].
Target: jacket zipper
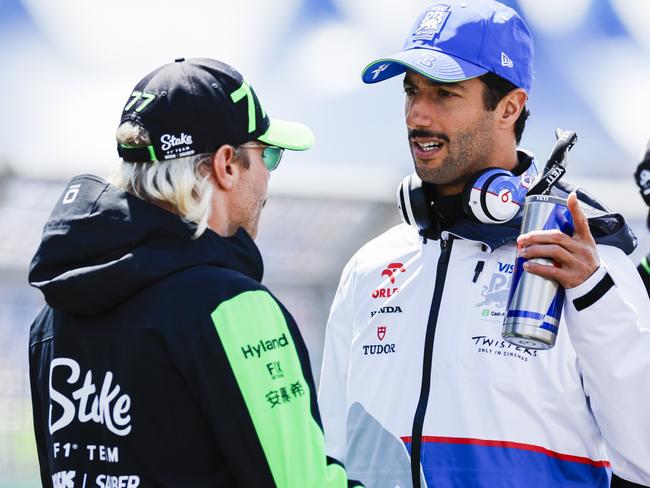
[420, 412]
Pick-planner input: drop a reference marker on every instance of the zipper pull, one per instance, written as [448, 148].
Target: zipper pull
[445, 240]
[444, 243]
[477, 270]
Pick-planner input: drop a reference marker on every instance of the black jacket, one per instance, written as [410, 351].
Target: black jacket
[160, 360]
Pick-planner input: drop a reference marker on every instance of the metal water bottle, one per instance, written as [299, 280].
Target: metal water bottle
[535, 303]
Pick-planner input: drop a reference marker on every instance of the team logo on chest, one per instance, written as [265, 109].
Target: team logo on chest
[381, 348]
[495, 294]
[381, 332]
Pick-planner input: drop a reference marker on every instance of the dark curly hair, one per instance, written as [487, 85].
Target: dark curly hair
[495, 89]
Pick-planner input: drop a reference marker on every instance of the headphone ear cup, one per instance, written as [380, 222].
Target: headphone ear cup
[413, 203]
[491, 196]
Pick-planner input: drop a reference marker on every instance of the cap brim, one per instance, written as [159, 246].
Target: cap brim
[428, 62]
[288, 135]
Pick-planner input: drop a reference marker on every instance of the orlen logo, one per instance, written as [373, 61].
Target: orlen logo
[100, 405]
[169, 140]
[392, 269]
[385, 292]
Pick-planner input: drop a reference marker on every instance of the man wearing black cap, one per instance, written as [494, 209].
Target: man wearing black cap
[160, 359]
[418, 386]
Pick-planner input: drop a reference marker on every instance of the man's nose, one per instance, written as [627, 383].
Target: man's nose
[419, 112]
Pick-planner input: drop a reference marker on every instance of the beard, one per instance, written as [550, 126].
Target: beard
[251, 212]
[466, 153]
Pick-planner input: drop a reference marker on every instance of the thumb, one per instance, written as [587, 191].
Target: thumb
[580, 221]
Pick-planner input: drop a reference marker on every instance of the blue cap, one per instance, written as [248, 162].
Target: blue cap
[456, 40]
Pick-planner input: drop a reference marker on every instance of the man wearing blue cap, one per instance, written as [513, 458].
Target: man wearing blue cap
[418, 387]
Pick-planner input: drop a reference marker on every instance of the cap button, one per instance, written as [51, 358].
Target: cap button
[179, 60]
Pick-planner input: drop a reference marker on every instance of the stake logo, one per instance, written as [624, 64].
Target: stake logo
[102, 406]
[169, 140]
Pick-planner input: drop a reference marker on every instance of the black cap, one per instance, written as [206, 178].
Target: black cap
[194, 106]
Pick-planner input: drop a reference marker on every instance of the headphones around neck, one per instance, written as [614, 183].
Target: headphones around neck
[491, 196]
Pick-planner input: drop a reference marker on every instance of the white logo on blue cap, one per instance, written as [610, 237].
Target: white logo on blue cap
[376, 72]
[506, 61]
[431, 22]
[428, 61]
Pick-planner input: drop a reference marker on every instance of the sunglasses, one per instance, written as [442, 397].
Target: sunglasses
[271, 155]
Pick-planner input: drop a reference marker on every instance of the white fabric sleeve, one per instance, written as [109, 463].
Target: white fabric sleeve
[332, 390]
[608, 320]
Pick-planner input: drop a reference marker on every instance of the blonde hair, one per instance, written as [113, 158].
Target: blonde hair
[182, 183]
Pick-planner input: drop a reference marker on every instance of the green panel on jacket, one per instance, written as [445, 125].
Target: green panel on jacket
[263, 357]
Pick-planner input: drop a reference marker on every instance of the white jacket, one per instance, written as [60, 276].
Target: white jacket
[495, 415]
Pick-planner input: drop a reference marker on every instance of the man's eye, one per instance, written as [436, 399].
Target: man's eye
[445, 93]
[409, 90]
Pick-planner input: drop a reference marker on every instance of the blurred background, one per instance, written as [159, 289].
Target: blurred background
[69, 66]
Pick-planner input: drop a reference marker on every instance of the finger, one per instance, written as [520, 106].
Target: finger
[580, 222]
[547, 271]
[551, 251]
[544, 237]
[567, 277]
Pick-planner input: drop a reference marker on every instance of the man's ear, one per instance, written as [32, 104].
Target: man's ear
[224, 168]
[510, 107]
